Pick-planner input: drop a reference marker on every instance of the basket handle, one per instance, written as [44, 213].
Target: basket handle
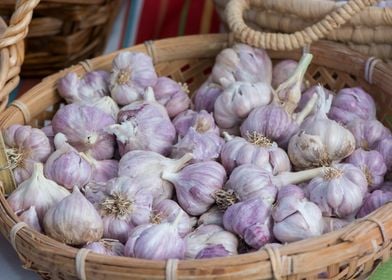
[279, 41]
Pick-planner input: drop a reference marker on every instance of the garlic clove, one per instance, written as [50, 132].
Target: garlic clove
[30, 217]
[73, 220]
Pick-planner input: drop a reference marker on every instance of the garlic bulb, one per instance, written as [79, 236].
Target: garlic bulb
[48, 130]
[202, 122]
[374, 201]
[384, 147]
[214, 216]
[248, 181]
[296, 218]
[237, 100]
[106, 105]
[212, 251]
[36, 191]
[102, 170]
[368, 132]
[332, 224]
[167, 211]
[251, 221]
[146, 168]
[30, 217]
[172, 95]
[73, 220]
[258, 150]
[132, 73]
[66, 166]
[144, 125]
[242, 63]
[123, 205]
[309, 93]
[25, 146]
[155, 242]
[203, 146]
[84, 126]
[282, 71]
[372, 165]
[109, 247]
[206, 95]
[351, 104]
[320, 141]
[339, 192]
[207, 235]
[195, 185]
[92, 86]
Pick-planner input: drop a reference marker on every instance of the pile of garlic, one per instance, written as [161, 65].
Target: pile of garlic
[131, 166]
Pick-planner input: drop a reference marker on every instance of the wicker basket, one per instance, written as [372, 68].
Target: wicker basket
[343, 254]
[64, 32]
[12, 48]
[368, 32]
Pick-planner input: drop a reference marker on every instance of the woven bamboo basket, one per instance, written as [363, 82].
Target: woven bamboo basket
[350, 253]
[64, 32]
[12, 48]
[369, 32]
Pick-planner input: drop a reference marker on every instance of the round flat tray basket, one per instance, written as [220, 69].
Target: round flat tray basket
[343, 254]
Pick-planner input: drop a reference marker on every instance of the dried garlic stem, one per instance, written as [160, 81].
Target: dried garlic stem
[117, 205]
[258, 139]
[332, 173]
[224, 199]
[288, 178]
[16, 157]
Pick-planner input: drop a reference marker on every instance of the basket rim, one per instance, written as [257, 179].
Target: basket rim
[217, 41]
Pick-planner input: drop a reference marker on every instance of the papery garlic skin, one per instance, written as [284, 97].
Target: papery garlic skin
[172, 95]
[109, 247]
[296, 219]
[332, 224]
[132, 73]
[30, 217]
[146, 168]
[102, 170]
[167, 211]
[36, 191]
[48, 130]
[67, 167]
[372, 165]
[251, 221]
[374, 201]
[196, 184]
[73, 220]
[25, 146]
[352, 103]
[84, 126]
[368, 132]
[238, 100]
[155, 242]
[339, 192]
[207, 235]
[206, 95]
[203, 146]
[214, 216]
[92, 86]
[106, 104]
[202, 122]
[144, 125]
[384, 147]
[123, 205]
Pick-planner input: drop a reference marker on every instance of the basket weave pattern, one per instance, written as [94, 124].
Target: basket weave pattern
[64, 32]
[342, 254]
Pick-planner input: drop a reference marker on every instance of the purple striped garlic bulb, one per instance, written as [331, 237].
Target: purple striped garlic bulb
[196, 184]
[257, 150]
[251, 221]
[207, 235]
[24, 147]
[122, 204]
[339, 192]
[144, 125]
[213, 216]
[202, 122]
[102, 170]
[66, 166]
[238, 100]
[172, 95]
[368, 132]
[85, 128]
[76, 89]
[296, 218]
[372, 165]
[109, 247]
[374, 201]
[132, 73]
[156, 242]
[168, 210]
[206, 95]
[384, 147]
[351, 104]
